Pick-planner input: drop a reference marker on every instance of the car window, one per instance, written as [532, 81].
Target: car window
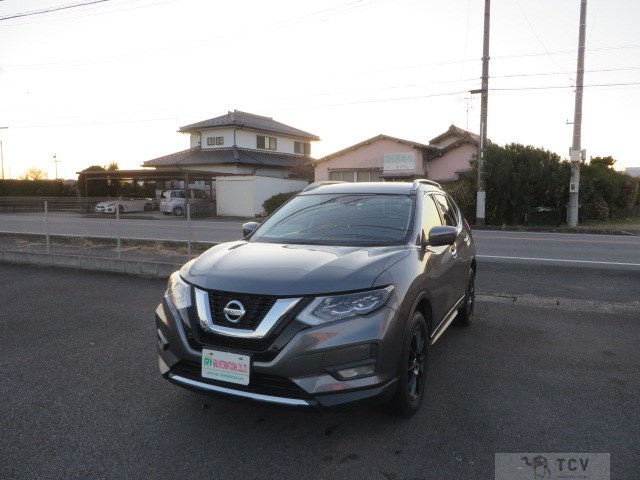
[449, 212]
[430, 215]
[200, 194]
[340, 219]
[177, 194]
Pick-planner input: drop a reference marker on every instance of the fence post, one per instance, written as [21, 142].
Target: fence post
[46, 224]
[189, 230]
[118, 227]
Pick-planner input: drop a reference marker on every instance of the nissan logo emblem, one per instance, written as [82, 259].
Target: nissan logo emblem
[234, 311]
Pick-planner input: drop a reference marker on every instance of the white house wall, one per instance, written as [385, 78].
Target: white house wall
[226, 133]
[243, 196]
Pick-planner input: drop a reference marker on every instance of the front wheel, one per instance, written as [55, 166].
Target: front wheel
[413, 367]
[465, 314]
[178, 211]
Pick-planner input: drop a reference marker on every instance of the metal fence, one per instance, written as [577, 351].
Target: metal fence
[76, 218]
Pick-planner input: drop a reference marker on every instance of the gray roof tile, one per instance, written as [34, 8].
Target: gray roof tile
[249, 120]
[231, 155]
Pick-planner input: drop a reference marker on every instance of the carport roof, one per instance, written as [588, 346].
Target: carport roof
[224, 156]
[149, 174]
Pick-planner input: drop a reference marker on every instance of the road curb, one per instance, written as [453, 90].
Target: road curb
[140, 268]
[581, 230]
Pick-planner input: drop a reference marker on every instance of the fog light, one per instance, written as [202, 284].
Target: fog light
[354, 372]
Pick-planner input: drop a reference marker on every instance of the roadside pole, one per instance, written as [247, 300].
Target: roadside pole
[189, 230]
[575, 153]
[118, 228]
[46, 224]
[484, 101]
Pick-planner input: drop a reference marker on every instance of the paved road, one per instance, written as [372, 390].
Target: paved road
[130, 226]
[551, 364]
[557, 248]
[609, 251]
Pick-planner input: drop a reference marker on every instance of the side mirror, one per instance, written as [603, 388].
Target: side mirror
[248, 228]
[442, 235]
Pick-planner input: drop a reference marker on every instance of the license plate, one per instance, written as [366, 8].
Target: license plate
[226, 367]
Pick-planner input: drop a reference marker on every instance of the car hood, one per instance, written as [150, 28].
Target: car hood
[283, 269]
[105, 204]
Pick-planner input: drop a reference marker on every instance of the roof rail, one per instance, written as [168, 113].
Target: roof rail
[315, 185]
[423, 181]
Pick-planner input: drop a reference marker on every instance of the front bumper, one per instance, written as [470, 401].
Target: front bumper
[302, 372]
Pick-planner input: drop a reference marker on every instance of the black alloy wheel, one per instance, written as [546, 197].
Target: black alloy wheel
[465, 313]
[416, 364]
[413, 367]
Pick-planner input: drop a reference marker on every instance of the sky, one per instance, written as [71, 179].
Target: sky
[114, 81]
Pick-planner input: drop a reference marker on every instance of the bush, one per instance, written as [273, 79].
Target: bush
[31, 188]
[271, 204]
[464, 196]
[518, 177]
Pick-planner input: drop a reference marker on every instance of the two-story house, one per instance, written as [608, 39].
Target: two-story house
[241, 143]
[249, 158]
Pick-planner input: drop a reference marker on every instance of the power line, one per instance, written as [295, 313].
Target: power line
[540, 41]
[51, 9]
[362, 102]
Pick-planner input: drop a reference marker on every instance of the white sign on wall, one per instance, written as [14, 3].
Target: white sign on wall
[399, 161]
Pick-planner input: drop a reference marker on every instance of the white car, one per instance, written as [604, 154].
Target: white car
[125, 205]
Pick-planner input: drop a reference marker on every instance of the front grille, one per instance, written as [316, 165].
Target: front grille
[256, 306]
[258, 383]
[262, 349]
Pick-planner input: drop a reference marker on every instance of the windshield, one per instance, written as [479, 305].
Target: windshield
[339, 219]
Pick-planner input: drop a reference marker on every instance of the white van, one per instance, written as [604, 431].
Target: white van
[175, 202]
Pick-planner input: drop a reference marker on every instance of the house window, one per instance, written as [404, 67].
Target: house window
[354, 175]
[219, 140]
[267, 143]
[302, 147]
[215, 141]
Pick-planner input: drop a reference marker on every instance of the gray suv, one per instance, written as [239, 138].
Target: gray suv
[333, 300]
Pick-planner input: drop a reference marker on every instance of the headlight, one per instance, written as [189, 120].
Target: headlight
[179, 291]
[327, 309]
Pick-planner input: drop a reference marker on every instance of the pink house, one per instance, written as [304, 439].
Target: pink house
[394, 159]
[455, 149]
[380, 157]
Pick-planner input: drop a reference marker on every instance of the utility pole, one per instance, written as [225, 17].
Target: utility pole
[56, 161]
[2, 153]
[575, 153]
[484, 101]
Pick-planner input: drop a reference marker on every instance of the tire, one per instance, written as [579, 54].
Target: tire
[121, 209]
[148, 207]
[413, 367]
[178, 211]
[465, 314]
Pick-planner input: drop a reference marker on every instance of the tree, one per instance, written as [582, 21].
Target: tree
[34, 174]
[604, 192]
[113, 166]
[93, 188]
[520, 177]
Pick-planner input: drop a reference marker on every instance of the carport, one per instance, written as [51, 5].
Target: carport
[150, 175]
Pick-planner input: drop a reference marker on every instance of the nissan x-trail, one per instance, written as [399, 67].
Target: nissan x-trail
[333, 300]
